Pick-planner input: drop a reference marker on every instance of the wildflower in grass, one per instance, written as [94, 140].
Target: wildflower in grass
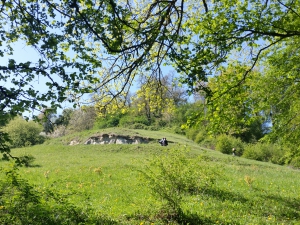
[68, 184]
[269, 217]
[249, 180]
[98, 170]
[46, 174]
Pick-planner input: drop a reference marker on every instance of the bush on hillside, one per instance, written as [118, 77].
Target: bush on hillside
[200, 137]
[153, 128]
[191, 133]
[174, 175]
[295, 162]
[225, 144]
[265, 152]
[177, 130]
[129, 120]
[107, 122]
[209, 142]
[138, 126]
[23, 133]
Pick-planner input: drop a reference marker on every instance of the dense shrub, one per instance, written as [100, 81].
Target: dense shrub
[129, 120]
[23, 133]
[173, 175]
[177, 130]
[295, 162]
[226, 143]
[107, 122]
[153, 128]
[200, 137]
[265, 152]
[209, 142]
[257, 152]
[279, 154]
[138, 126]
[162, 123]
[191, 133]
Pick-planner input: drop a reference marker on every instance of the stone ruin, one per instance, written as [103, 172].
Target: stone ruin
[113, 139]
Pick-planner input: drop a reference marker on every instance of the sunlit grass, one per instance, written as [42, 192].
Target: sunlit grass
[107, 178]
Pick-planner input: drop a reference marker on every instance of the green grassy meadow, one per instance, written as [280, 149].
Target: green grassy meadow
[107, 179]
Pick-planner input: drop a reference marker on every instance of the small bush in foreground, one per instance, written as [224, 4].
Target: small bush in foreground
[173, 175]
[26, 160]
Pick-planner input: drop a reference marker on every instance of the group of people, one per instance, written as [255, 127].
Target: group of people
[163, 142]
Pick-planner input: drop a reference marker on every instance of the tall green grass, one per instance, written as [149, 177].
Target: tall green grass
[107, 179]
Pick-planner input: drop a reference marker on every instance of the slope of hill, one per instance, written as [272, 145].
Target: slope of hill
[184, 183]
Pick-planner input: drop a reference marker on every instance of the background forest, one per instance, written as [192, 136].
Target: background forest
[231, 121]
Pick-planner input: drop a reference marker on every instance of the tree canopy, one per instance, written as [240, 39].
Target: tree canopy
[102, 46]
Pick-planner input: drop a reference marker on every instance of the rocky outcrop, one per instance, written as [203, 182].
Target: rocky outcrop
[74, 142]
[115, 139]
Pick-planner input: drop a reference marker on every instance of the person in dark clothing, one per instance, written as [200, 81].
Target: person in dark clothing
[163, 142]
[233, 151]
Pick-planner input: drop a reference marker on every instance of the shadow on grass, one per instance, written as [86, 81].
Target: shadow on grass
[171, 216]
[283, 207]
[194, 219]
[34, 166]
[225, 195]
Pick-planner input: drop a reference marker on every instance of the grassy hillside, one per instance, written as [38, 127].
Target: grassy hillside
[107, 179]
[83, 136]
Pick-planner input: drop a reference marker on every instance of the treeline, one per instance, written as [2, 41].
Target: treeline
[160, 112]
[227, 117]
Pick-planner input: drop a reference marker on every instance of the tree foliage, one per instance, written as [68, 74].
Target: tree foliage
[103, 46]
[82, 119]
[280, 97]
[236, 112]
[263, 36]
[152, 100]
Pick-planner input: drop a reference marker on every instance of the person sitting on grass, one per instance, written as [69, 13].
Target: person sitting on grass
[163, 142]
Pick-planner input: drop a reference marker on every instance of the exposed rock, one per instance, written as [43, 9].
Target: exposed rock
[113, 139]
[74, 142]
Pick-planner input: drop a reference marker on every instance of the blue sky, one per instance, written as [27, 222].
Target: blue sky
[24, 53]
